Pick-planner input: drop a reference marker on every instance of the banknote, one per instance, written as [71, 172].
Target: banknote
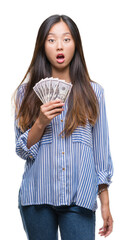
[49, 89]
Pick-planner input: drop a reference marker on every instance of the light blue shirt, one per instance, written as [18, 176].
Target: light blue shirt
[61, 170]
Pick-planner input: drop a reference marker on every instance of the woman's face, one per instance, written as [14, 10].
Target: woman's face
[59, 46]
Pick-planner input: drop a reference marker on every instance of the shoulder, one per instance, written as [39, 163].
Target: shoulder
[98, 89]
[20, 93]
[22, 87]
[21, 90]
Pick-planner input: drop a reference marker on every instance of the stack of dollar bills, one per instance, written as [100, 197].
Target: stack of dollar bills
[49, 89]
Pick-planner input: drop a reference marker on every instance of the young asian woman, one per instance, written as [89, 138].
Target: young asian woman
[65, 145]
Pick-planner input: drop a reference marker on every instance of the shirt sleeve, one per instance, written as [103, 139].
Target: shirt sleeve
[21, 137]
[102, 155]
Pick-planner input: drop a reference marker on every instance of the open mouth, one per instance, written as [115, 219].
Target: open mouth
[60, 58]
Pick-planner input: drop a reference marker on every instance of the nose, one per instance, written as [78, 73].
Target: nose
[59, 45]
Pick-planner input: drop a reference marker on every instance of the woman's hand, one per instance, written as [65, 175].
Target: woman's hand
[108, 221]
[49, 110]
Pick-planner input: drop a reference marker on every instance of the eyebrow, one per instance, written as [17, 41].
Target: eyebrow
[62, 34]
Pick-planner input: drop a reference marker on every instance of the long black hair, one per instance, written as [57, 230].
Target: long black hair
[82, 102]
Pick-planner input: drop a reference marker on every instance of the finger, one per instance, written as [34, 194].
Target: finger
[106, 230]
[103, 230]
[102, 233]
[107, 234]
[109, 230]
[105, 225]
[50, 109]
[55, 105]
[52, 102]
[54, 111]
[110, 222]
[54, 115]
[100, 228]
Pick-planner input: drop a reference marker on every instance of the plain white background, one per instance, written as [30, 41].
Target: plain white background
[104, 32]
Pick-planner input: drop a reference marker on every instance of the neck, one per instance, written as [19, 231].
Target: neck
[61, 74]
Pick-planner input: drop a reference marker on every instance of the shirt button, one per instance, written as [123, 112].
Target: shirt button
[63, 168]
[61, 120]
[62, 152]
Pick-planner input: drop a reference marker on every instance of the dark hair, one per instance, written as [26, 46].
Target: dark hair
[82, 102]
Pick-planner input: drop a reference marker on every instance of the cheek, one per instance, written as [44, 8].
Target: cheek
[71, 52]
[48, 52]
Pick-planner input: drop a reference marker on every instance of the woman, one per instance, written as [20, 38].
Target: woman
[65, 145]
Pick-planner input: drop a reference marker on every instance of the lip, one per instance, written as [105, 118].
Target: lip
[59, 54]
[59, 60]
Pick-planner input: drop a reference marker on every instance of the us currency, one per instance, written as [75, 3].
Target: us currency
[52, 85]
[43, 88]
[39, 89]
[52, 88]
[55, 87]
[38, 92]
[47, 89]
[64, 90]
[39, 96]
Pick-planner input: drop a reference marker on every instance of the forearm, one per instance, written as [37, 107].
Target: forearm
[104, 196]
[35, 134]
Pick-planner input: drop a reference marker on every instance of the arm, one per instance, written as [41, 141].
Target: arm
[21, 145]
[107, 227]
[103, 163]
[27, 143]
[48, 111]
[22, 149]
[35, 134]
[103, 195]
[101, 149]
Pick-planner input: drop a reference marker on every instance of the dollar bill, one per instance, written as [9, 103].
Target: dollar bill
[52, 88]
[64, 90]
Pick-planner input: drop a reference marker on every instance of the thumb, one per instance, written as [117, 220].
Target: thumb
[105, 225]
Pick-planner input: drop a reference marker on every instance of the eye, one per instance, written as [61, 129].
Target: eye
[51, 40]
[67, 39]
